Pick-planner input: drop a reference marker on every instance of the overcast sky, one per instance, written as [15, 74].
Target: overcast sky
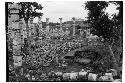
[67, 9]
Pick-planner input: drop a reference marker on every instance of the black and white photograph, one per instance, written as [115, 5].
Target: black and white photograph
[64, 41]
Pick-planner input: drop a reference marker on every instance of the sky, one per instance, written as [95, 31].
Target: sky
[111, 9]
[68, 9]
[63, 9]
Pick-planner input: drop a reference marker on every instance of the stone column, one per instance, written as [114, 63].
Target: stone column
[13, 22]
[40, 22]
[31, 20]
[87, 33]
[39, 19]
[80, 32]
[47, 24]
[60, 23]
[73, 26]
[40, 27]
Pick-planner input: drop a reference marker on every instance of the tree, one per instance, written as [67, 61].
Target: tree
[119, 17]
[118, 30]
[95, 15]
[29, 9]
[100, 22]
[108, 28]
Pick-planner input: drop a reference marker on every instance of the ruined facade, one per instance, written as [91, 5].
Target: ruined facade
[14, 29]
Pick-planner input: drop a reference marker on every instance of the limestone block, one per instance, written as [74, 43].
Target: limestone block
[15, 25]
[17, 61]
[16, 52]
[14, 6]
[66, 76]
[14, 11]
[113, 71]
[82, 74]
[92, 77]
[106, 77]
[16, 41]
[14, 17]
[117, 80]
[59, 73]
[73, 75]
[16, 47]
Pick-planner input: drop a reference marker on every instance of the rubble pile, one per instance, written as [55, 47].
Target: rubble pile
[59, 76]
[44, 55]
[47, 52]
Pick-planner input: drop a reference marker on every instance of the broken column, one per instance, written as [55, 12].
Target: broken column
[40, 22]
[40, 27]
[39, 19]
[61, 30]
[31, 20]
[73, 26]
[87, 33]
[60, 23]
[14, 27]
[80, 31]
[47, 24]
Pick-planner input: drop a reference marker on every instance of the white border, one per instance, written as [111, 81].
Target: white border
[3, 36]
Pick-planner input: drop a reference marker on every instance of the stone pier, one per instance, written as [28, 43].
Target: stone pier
[40, 22]
[47, 24]
[40, 28]
[60, 23]
[73, 26]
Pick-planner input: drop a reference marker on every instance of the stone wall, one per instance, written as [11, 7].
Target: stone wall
[13, 27]
[16, 32]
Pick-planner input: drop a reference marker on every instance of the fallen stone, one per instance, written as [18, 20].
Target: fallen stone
[92, 77]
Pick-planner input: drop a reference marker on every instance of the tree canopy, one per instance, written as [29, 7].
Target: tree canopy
[110, 29]
[29, 9]
[100, 22]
